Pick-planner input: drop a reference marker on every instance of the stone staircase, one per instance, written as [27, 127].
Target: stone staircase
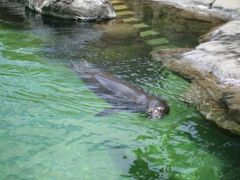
[150, 36]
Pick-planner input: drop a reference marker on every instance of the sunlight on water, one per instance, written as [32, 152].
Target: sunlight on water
[48, 127]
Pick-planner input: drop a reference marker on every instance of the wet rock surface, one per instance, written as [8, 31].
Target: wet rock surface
[227, 10]
[87, 10]
[217, 102]
[219, 56]
[214, 65]
[231, 99]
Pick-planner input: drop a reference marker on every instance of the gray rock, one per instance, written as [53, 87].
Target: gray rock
[85, 10]
[218, 103]
[226, 10]
[219, 56]
[214, 65]
[231, 100]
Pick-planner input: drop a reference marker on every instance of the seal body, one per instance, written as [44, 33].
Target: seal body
[122, 94]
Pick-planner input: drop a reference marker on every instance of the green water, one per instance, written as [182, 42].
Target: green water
[48, 127]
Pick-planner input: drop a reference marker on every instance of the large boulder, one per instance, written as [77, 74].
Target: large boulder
[86, 10]
[220, 55]
[214, 67]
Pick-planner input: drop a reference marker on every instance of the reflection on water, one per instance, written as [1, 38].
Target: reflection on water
[48, 127]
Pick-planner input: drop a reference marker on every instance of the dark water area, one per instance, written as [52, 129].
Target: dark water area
[48, 127]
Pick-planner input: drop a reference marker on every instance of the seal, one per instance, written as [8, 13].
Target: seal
[122, 94]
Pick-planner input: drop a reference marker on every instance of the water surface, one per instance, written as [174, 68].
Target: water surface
[48, 127]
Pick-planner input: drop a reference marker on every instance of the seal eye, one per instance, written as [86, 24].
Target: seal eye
[161, 109]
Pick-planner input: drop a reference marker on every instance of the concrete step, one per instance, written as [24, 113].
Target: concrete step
[131, 20]
[157, 42]
[120, 7]
[116, 2]
[141, 26]
[125, 13]
[148, 33]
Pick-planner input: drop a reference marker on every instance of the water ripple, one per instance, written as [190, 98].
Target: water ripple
[48, 122]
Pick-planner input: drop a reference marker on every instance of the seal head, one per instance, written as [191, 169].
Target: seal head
[157, 108]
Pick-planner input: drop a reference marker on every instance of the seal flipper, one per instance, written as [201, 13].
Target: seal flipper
[108, 111]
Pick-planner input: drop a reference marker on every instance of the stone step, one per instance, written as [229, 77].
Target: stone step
[157, 42]
[117, 2]
[131, 20]
[148, 33]
[125, 13]
[141, 25]
[120, 7]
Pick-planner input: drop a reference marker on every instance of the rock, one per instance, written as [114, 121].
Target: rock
[157, 42]
[168, 54]
[228, 5]
[204, 95]
[231, 100]
[214, 65]
[218, 103]
[83, 10]
[220, 56]
[226, 10]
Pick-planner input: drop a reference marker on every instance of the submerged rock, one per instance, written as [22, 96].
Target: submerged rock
[83, 10]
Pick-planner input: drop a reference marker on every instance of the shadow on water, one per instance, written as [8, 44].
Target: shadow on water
[10, 13]
[48, 124]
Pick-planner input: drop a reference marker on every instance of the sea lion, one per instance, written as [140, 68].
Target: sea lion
[120, 93]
